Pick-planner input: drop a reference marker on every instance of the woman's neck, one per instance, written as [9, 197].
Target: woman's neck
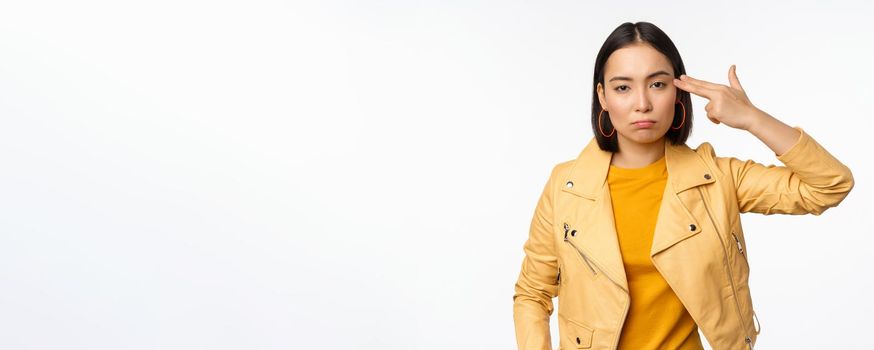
[638, 155]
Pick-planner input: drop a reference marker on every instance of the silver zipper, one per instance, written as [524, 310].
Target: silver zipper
[586, 259]
[627, 305]
[558, 277]
[730, 274]
[589, 264]
[740, 248]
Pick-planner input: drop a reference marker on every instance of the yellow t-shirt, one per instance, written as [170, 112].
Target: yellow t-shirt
[656, 318]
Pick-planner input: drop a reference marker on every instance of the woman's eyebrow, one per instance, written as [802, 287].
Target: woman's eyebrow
[661, 72]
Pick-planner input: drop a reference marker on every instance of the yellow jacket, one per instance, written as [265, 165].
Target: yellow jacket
[698, 244]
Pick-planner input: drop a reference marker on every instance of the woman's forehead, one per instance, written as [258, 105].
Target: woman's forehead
[637, 62]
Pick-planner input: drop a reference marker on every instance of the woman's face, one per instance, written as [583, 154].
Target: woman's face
[639, 86]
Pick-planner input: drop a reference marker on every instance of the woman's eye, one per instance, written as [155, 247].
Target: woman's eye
[623, 88]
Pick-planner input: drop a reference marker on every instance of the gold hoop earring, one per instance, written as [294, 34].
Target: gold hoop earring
[599, 126]
[684, 115]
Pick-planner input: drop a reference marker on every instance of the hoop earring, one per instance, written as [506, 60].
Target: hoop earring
[599, 126]
[684, 115]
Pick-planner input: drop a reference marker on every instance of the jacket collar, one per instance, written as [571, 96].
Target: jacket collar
[588, 176]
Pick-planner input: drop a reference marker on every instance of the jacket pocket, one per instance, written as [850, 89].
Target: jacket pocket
[574, 334]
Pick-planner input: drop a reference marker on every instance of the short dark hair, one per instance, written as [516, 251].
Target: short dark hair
[628, 34]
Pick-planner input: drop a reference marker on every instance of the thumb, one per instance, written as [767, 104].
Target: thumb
[732, 78]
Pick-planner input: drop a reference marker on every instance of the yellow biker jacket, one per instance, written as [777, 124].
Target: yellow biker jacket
[698, 244]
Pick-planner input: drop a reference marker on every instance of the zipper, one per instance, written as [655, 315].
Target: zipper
[730, 274]
[757, 327]
[558, 277]
[740, 248]
[586, 259]
[588, 263]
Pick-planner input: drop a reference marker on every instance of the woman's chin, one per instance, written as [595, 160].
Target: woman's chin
[644, 136]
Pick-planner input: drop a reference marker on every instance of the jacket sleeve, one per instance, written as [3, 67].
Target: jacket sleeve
[812, 181]
[537, 284]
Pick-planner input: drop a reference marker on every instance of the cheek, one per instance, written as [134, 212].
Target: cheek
[667, 104]
[667, 97]
[617, 101]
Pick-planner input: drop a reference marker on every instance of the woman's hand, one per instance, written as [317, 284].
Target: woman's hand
[728, 104]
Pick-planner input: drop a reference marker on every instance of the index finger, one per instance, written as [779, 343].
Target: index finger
[693, 88]
[699, 82]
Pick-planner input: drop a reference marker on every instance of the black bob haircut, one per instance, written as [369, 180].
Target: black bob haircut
[628, 34]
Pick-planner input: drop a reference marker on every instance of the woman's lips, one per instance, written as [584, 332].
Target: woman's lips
[644, 124]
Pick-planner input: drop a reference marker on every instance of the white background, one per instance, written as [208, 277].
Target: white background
[361, 175]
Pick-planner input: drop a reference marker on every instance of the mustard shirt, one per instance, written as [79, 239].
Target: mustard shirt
[656, 318]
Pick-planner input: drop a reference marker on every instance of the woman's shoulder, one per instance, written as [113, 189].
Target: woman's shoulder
[707, 153]
[705, 149]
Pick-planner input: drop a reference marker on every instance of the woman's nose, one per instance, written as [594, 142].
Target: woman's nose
[643, 103]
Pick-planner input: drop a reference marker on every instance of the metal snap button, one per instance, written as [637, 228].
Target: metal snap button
[707, 176]
[574, 233]
[691, 227]
[570, 184]
[578, 340]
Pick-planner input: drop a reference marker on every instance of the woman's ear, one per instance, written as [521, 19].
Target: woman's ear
[601, 98]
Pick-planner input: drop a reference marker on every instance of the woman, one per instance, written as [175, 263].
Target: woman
[640, 236]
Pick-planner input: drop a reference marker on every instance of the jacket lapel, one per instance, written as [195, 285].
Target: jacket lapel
[589, 177]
